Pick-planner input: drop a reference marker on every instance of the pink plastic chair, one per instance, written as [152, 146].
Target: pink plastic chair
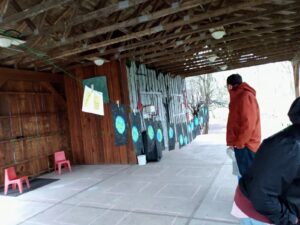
[10, 177]
[59, 160]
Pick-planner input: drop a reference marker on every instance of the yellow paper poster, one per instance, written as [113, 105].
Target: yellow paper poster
[92, 101]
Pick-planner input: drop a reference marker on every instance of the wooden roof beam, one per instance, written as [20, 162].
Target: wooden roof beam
[29, 23]
[234, 62]
[103, 12]
[157, 29]
[33, 43]
[4, 6]
[133, 22]
[172, 64]
[235, 66]
[238, 45]
[243, 49]
[185, 33]
[258, 53]
[194, 48]
[232, 31]
[164, 51]
[33, 11]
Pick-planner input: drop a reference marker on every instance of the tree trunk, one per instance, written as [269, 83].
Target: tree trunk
[206, 127]
[296, 65]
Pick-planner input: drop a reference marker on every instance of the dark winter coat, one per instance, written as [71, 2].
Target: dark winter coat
[272, 183]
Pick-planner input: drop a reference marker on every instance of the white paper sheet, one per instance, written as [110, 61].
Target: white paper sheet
[93, 101]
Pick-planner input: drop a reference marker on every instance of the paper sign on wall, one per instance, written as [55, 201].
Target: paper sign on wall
[92, 101]
[100, 84]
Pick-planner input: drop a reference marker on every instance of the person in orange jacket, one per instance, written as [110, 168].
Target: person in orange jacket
[243, 127]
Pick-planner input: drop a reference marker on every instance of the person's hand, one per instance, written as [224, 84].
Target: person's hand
[230, 148]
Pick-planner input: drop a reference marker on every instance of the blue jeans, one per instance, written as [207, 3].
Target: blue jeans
[249, 221]
[244, 158]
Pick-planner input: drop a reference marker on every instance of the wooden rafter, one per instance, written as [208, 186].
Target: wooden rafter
[132, 22]
[204, 62]
[79, 19]
[17, 7]
[167, 35]
[4, 6]
[235, 60]
[33, 11]
[157, 29]
[190, 58]
[232, 31]
[200, 29]
[201, 71]
[232, 38]
[258, 53]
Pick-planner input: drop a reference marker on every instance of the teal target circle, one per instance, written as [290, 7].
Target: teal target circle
[171, 133]
[135, 134]
[180, 139]
[159, 135]
[150, 132]
[186, 140]
[196, 121]
[120, 124]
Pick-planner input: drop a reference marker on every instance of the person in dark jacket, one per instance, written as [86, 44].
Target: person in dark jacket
[243, 127]
[272, 184]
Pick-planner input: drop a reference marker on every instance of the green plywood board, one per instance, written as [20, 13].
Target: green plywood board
[100, 84]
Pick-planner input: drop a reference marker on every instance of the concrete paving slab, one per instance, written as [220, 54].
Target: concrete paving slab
[189, 186]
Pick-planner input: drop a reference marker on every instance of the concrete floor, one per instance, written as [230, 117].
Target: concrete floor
[190, 186]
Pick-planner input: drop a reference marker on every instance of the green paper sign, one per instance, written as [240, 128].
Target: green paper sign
[100, 84]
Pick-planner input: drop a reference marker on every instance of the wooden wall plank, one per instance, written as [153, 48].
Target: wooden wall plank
[74, 121]
[32, 128]
[25, 75]
[93, 140]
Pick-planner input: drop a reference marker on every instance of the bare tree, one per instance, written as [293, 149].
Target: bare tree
[205, 89]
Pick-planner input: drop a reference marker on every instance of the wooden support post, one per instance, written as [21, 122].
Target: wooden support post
[296, 65]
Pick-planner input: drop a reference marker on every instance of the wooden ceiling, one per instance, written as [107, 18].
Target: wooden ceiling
[170, 35]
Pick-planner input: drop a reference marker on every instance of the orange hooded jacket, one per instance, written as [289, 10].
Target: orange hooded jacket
[243, 125]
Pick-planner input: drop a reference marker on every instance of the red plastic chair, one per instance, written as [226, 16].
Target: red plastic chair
[59, 160]
[10, 177]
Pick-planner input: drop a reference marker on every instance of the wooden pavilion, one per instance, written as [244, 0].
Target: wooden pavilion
[54, 44]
